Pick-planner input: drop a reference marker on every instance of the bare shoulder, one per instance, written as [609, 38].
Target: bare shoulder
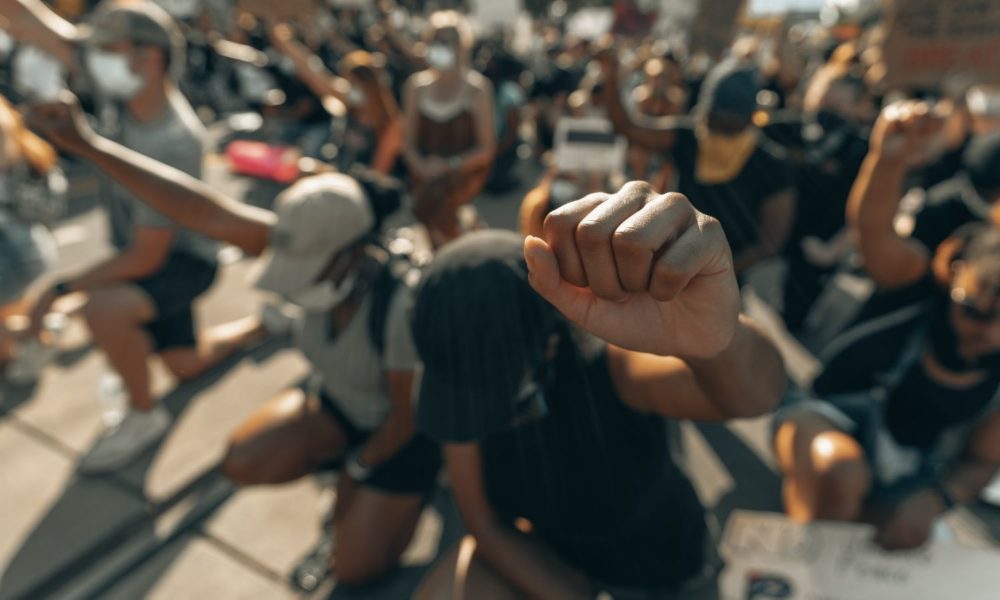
[479, 84]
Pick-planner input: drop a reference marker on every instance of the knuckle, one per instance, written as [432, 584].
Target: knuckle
[638, 188]
[559, 223]
[629, 242]
[591, 234]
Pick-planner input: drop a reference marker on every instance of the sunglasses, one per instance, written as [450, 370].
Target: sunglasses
[970, 311]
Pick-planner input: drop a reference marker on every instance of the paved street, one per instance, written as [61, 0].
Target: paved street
[170, 527]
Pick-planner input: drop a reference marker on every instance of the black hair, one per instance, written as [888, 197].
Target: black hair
[384, 193]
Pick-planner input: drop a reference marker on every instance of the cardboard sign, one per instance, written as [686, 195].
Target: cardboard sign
[283, 9]
[931, 41]
[770, 557]
[589, 144]
[715, 26]
[496, 13]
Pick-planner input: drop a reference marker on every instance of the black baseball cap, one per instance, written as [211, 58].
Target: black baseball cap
[480, 329]
[730, 89]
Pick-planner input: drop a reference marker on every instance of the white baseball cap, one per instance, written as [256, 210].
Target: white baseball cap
[317, 217]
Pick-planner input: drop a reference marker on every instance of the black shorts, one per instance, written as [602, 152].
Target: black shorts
[412, 470]
[173, 290]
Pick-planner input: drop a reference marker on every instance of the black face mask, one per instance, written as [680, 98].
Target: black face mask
[831, 121]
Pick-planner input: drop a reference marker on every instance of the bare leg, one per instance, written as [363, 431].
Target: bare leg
[116, 316]
[215, 345]
[462, 575]
[287, 438]
[826, 474]
[373, 529]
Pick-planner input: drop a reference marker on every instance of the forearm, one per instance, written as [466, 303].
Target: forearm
[656, 135]
[745, 380]
[188, 202]
[34, 23]
[121, 268]
[533, 569]
[874, 200]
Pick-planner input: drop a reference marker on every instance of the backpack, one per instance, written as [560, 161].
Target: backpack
[400, 269]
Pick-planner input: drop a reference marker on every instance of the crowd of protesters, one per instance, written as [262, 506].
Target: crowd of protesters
[537, 370]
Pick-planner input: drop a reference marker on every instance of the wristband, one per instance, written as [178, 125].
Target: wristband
[356, 467]
[949, 501]
[61, 288]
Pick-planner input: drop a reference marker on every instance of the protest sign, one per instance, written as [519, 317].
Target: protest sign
[496, 13]
[180, 9]
[588, 144]
[931, 41]
[282, 9]
[715, 25]
[768, 557]
[590, 23]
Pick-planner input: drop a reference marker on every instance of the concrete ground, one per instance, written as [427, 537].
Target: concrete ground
[171, 527]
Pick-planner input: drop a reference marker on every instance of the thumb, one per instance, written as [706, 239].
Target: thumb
[543, 274]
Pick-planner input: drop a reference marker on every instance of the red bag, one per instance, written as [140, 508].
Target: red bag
[258, 159]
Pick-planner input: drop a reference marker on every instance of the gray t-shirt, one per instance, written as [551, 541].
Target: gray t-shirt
[348, 368]
[177, 139]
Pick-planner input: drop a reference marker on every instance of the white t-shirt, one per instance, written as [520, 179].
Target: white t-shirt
[348, 367]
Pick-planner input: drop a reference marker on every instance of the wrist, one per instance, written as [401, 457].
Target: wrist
[356, 467]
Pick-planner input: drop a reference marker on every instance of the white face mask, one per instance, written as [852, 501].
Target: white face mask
[324, 295]
[113, 75]
[356, 97]
[441, 57]
[6, 44]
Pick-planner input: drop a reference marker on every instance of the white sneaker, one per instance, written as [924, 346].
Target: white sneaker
[277, 319]
[124, 443]
[30, 358]
[113, 400]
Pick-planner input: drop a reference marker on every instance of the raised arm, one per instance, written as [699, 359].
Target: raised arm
[34, 23]
[176, 195]
[891, 260]
[653, 133]
[649, 274]
[308, 67]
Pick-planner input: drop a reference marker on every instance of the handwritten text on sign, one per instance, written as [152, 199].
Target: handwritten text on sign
[768, 556]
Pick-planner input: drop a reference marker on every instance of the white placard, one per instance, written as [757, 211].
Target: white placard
[589, 144]
[590, 23]
[496, 13]
[769, 557]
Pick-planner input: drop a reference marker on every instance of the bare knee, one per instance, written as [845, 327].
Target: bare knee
[247, 463]
[841, 489]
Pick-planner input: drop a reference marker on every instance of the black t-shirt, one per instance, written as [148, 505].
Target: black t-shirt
[736, 204]
[918, 410]
[946, 208]
[596, 480]
[826, 159]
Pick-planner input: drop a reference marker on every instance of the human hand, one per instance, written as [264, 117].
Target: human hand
[62, 123]
[910, 524]
[642, 270]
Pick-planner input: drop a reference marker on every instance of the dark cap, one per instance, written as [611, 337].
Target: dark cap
[479, 328]
[142, 23]
[730, 89]
[981, 162]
